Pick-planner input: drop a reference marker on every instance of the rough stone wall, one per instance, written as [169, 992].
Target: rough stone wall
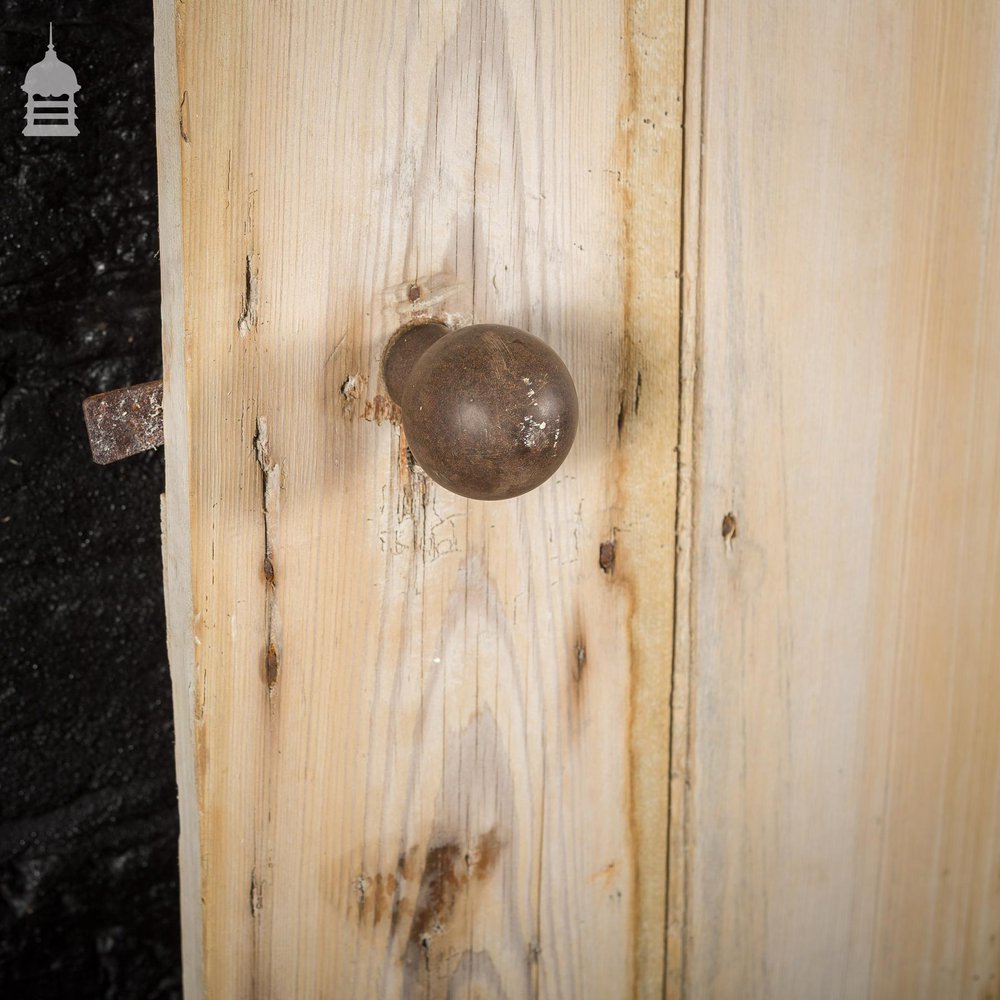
[88, 818]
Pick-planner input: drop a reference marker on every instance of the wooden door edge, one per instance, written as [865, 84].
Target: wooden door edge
[175, 504]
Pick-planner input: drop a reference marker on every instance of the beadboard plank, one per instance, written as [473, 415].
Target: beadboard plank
[843, 771]
[422, 741]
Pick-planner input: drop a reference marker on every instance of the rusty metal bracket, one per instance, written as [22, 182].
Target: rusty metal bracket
[124, 422]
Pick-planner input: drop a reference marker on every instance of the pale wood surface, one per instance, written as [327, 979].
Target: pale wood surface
[175, 511]
[843, 819]
[427, 737]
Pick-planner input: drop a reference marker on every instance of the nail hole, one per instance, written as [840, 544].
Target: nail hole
[607, 557]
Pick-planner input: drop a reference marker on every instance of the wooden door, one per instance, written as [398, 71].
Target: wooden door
[422, 741]
[716, 711]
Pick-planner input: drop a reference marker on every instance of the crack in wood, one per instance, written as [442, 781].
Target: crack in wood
[248, 317]
[270, 498]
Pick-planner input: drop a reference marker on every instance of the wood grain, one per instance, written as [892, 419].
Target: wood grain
[175, 504]
[843, 811]
[424, 740]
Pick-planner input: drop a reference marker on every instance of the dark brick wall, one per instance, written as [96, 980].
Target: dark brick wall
[88, 820]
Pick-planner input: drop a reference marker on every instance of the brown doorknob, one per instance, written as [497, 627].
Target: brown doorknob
[489, 412]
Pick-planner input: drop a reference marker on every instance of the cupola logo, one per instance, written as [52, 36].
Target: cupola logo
[51, 88]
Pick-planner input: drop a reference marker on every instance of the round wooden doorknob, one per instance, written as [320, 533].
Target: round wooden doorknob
[489, 412]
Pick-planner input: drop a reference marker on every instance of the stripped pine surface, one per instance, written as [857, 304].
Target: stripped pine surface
[422, 741]
[841, 629]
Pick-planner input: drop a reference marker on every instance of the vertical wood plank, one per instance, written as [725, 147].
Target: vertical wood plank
[175, 510]
[844, 725]
[648, 428]
[429, 735]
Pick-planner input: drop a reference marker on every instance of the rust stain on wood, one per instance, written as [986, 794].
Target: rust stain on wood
[376, 410]
[439, 887]
[447, 873]
[381, 408]
[384, 889]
